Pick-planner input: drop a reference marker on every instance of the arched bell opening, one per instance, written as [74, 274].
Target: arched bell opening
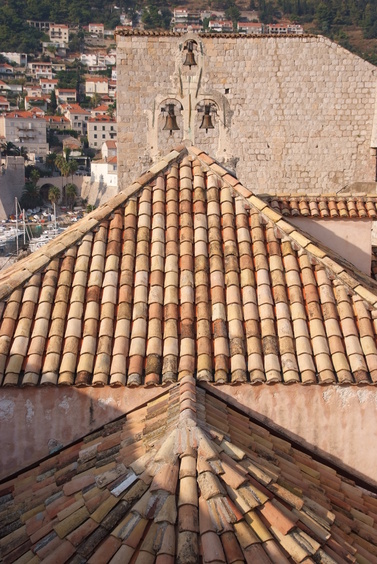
[190, 52]
[170, 123]
[206, 123]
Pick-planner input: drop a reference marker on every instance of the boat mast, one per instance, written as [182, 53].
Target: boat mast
[16, 206]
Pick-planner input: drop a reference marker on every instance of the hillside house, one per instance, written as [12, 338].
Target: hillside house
[96, 85]
[24, 129]
[77, 116]
[100, 129]
[96, 29]
[66, 95]
[59, 33]
[40, 69]
[48, 85]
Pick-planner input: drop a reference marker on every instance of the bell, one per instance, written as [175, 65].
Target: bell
[171, 120]
[190, 59]
[207, 120]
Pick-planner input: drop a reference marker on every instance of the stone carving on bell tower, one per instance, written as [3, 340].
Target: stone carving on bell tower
[190, 98]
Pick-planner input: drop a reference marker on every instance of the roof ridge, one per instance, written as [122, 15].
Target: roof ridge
[166, 482]
[329, 259]
[40, 258]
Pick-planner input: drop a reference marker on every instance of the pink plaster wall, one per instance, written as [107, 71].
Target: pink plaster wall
[352, 239]
[34, 422]
[339, 423]
[336, 422]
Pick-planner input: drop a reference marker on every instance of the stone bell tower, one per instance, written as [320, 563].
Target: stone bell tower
[251, 100]
[165, 98]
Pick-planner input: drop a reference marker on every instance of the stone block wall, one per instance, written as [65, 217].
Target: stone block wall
[12, 182]
[297, 114]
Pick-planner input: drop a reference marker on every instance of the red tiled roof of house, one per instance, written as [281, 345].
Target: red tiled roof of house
[186, 479]
[57, 119]
[102, 118]
[22, 114]
[75, 109]
[186, 272]
[112, 160]
[97, 79]
[101, 108]
[111, 144]
[37, 98]
[67, 90]
[37, 112]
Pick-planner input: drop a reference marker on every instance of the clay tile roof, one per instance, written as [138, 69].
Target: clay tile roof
[101, 118]
[185, 479]
[334, 206]
[186, 272]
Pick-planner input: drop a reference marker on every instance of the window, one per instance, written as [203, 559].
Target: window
[103, 128]
[95, 128]
[95, 137]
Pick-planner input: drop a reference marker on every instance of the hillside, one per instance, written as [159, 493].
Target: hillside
[352, 23]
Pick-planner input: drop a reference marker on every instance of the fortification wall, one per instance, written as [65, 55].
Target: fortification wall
[297, 114]
[12, 181]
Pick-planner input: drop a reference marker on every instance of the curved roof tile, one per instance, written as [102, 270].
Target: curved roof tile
[351, 206]
[185, 272]
[185, 479]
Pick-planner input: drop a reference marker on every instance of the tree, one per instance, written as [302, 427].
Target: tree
[62, 164]
[95, 100]
[325, 16]
[233, 13]
[50, 161]
[54, 194]
[10, 149]
[34, 176]
[53, 101]
[111, 109]
[153, 17]
[31, 196]
[73, 166]
[70, 195]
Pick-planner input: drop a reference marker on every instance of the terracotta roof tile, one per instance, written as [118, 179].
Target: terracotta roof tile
[325, 206]
[185, 273]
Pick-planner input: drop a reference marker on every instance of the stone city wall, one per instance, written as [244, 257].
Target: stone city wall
[295, 113]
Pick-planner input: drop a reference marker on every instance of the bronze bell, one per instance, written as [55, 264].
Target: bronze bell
[190, 59]
[207, 120]
[171, 120]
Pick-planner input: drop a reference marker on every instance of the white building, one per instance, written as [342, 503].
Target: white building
[96, 28]
[40, 69]
[66, 95]
[77, 116]
[250, 28]
[100, 129]
[109, 149]
[48, 85]
[96, 85]
[25, 129]
[19, 58]
[59, 33]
